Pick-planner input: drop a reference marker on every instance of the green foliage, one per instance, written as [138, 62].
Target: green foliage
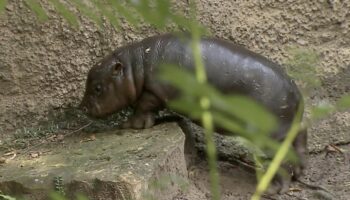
[321, 110]
[344, 102]
[303, 67]
[35, 6]
[58, 183]
[154, 12]
[106, 10]
[88, 12]
[5, 197]
[68, 15]
[59, 196]
[3, 4]
[324, 109]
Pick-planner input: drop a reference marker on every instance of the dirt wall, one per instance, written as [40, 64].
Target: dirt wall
[43, 65]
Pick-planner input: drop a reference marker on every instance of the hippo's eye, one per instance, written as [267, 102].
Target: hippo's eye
[98, 89]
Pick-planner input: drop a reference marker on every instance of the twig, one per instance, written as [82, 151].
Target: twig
[340, 143]
[314, 187]
[294, 196]
[265, 196]
[79, 129]
[336, 148]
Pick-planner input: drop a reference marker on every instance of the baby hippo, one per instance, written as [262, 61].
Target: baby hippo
[128, 77]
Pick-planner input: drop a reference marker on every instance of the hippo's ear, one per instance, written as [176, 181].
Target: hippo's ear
[117, 68]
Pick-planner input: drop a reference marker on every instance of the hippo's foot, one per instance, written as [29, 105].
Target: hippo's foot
[282, 181]
[140, 121]
[279, 185]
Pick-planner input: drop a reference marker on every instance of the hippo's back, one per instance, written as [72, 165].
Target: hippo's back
[235, 70]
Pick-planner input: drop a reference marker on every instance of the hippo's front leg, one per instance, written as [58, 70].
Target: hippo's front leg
[144, 116]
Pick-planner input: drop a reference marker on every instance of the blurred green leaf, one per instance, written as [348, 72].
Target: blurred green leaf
[344, 102]
[56, 196]
[143, 8]
[66, 13]
[232, 125]
[35, 6]
[88, 12]
[105, 9]
[81, 197]
[5, 197]
[178, 77]
[260, 139]
[154, 12]
[3, 4]
[246, 109]
[187, 105]
[321, 110]
[163, 8]
[182, 22]
[240, 107]
[187, 25]
[238, 114]
[124, 12]
[163, 12]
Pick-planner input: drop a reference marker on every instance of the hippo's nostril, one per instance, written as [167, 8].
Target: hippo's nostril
[84, 109]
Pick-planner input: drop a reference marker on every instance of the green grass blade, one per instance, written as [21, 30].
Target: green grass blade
[67, 14]
[35, 6]
[3, 4]
[207, 117]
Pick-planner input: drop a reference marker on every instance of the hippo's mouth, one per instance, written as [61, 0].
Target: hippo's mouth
[98, 112]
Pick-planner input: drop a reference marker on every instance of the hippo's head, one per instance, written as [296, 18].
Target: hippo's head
[109, 88]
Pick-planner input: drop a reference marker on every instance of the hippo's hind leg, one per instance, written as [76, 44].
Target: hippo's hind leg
[294, 170]
[300, 147]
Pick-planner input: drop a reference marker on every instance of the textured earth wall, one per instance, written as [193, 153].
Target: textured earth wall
[43, 65]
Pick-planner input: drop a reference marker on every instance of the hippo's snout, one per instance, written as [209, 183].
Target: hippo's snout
[84, 109]
[83, 106]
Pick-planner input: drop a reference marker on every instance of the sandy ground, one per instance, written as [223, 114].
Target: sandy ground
[328, 170]
[327, 173]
